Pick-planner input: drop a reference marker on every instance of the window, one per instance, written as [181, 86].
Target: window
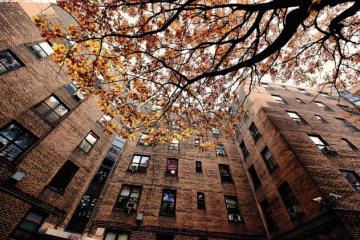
[41, 50]
[220, 150]
[324, 94]
[198, 167]
[270, 222]
[347, 109]
[174, 145]
[300, 101]
[164, 237]
[63, 177]
[225, 174]
[73, 90]
[323, 106]
[290, 201]
[269, 160]
[244, 150]
[279, 99]
[51, 110]
[296, 117]
[104, 119]
[352, 178]
[139, 163]
[129, 198]
[31, 223]
[348, 125]
[352, 146]
[197, 142]
[172, 166]
[231, 205]
[318, 117]
[89, 141]
[168, 202]
[304, 92]
[200, 200]
[143, 140]
[14, 141]
[8, 61]
[116, 236]
[254, 177]
[215, 132]
[319, 142]
[266, 86]
[255, 133]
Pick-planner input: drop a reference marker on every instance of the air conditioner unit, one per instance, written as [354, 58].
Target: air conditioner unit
[78, 96]
[133, 168]
[295, 210]
[173, 172]
[329, 150]
[131, 206]
[234, 218]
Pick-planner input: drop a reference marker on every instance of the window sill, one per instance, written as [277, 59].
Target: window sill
[55, 190]
[167, 215]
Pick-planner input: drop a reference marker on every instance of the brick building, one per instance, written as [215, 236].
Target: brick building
[292, 171]
[51, 143]
[302, 158]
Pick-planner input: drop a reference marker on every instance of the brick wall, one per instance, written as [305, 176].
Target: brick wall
[22, 89]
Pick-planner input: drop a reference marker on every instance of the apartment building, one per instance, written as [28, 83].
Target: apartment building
[300, 149]
[51, 143]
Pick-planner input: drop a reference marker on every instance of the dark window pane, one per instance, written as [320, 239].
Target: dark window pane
[9, 61]
[25, 141]
[11, 152]
[11, 131]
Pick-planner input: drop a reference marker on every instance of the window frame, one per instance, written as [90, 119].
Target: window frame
[231, 210]
[57, 177]
[323, 106]
[274, 165]
[279, 99]
[51, 110]
[14, 56]
[24, 131]
[103, 121]
[220, 150]
[323, 142]
[132, 187]
[198, 167]
[300, 101]
[172, 213]
[355, 186]
[348, 124]
[288, 203]
[139, 168]
[244, 150]
[298, 119]
[256, 135]
[225, 178]
[350, 145]
[168, 170]
[31, 233]
[77, 95]
[84, 140]
[36, 52]
[320, 118]
[201, 203]
[254, 177]
[117, 233]
[303, 91]
[174, 145]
